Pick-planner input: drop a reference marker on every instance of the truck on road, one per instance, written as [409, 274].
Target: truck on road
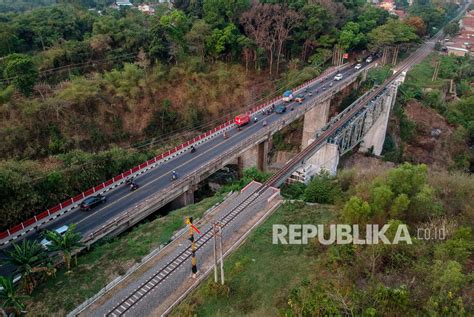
[242, 119]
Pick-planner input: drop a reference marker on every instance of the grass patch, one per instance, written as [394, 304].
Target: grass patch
[259, 274]
[107, 260]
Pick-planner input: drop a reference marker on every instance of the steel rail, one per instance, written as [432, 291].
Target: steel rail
[151, 283]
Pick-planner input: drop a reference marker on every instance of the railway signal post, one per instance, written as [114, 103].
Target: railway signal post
[192, 228]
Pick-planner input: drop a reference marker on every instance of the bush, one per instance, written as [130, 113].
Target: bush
[322, 189]
[293, 191]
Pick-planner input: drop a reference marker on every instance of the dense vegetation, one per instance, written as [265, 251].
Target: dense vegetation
[420, 87]
[74, 80]
[429, 277]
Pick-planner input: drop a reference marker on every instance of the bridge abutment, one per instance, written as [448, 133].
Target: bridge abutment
[314, 120]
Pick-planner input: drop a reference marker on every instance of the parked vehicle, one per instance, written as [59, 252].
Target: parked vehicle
[91, 202]
[280, 109]
[369, 59]
[242, 119]
[288, 96]
[299, 98]
[358, 66]
[338, 77]
[61, 230]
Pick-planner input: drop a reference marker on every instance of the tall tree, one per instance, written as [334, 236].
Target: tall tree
[21, 71]
[285, 21]
[257, 22]
[269, 26]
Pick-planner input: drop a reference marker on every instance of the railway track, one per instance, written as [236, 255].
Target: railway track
[122, 307]
[151, 283]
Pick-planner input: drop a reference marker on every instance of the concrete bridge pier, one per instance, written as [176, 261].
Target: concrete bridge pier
[257, 156]
[186, 198]
[326, 158]
[314, 119]
[375, 137]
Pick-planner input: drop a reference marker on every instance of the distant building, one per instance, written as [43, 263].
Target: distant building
[146, 9]
[390, 7]
[122, 4]
[463, 43]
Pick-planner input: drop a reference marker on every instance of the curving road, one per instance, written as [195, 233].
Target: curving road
[121, 198]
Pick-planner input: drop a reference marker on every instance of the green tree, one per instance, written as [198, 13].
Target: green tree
[357, 210]
[11, 300]
[27, 258]
[224, 41]
[197, 37]
[21, 71]
[65, 244]
[399, 206]
[407, 179]
[351, 37]
[219, 13]
[381, 198]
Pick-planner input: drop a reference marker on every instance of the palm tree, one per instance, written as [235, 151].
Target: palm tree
[26, 257]
[64, 244]
[11, 300]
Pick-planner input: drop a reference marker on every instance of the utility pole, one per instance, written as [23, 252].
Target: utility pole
[436, 70]
[214, 231]
[217, 233]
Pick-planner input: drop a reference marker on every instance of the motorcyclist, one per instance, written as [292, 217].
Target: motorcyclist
[134, 185]
[174, 175]
[225, 135]
[193, 149]
[255, 119]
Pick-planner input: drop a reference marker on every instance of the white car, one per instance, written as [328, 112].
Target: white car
[369, 59]
[61, 230]
[338, 77]
[358, 66]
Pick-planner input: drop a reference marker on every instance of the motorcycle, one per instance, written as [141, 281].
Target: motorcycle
[134, 186]
[174, 177]
[264, 123]
[255, 119]
[193, 149]
[225, 135]
[128, 181]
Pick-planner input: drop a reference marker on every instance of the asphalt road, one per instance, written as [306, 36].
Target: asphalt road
[121, 198]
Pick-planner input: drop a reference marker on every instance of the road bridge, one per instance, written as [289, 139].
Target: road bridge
[248, 147]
